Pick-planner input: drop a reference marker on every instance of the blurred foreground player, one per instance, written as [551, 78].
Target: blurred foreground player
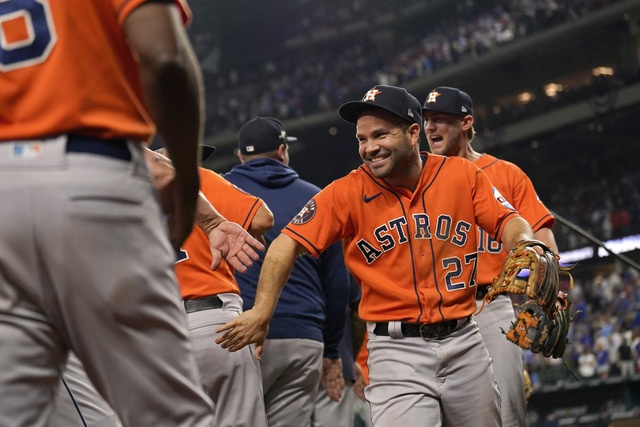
[85, 263]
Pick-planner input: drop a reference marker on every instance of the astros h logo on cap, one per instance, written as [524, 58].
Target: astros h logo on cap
[449, 100]
[394, 99]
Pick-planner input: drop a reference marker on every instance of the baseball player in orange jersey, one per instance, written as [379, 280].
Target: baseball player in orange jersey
[448, 124]
[212, 298]
[407, 221]
[85, 261]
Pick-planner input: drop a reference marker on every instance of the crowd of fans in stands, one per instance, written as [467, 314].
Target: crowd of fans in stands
[609, 208]
[292, 83]
[605, 336]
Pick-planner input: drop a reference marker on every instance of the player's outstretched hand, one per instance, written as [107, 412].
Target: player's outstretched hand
[233, 243]
[360, 382]
[332, 379]
[251, 327]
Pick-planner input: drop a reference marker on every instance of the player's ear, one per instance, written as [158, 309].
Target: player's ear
[414, 132]
[467, 122]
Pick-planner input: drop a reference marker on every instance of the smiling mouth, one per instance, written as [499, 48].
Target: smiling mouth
[377, 159]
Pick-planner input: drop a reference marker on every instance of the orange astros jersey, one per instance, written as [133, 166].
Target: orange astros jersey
[413, 254]
[52, 85]
[193, 268]
[518, 190]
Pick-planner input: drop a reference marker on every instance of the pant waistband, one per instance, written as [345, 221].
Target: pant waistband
[424, 330]
[114, 148]
[481, 292]
[204, 303]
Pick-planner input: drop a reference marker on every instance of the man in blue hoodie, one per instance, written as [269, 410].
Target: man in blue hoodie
[301, 349]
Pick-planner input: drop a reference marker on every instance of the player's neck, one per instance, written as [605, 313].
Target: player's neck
[469, 153]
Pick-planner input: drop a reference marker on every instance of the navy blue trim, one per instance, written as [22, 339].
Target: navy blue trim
[114, 148]
[75, 402]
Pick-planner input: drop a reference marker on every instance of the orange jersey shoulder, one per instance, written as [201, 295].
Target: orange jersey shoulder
[65, 67]
[518, 190]
[413, 253]
[193, 268]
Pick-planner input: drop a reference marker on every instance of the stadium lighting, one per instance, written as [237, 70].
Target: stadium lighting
[602, 71]
[525, 97]
[552, 89]
[621, 245]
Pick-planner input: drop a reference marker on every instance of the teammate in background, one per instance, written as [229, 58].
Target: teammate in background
[313, 306]
[448, 125]
[95, 272]
[407, 221]
[328, 412]
[212, 298]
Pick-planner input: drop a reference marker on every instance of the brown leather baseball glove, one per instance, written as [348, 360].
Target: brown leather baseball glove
[543, 283]
[534, 330]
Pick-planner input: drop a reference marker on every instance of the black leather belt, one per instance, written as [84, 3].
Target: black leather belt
[204, 303]
[114, 148]
[424, 330]
[481, 292]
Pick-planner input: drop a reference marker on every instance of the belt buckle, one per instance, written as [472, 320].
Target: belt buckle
[438, 330]
[429, 332]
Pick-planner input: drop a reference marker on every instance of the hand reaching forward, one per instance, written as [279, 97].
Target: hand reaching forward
[233, 243]
[332, 379]
[360, 383]
[250, 327]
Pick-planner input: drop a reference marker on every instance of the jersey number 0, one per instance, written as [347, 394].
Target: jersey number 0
[27, 33]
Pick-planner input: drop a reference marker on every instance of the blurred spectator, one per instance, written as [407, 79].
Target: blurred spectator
[625, 359]
[587, 363]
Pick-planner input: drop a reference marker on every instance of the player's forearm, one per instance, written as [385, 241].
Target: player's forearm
[207, 217]
[172, 85]
[262, 222]
[515, 230]
[275, 272]
[545, 235]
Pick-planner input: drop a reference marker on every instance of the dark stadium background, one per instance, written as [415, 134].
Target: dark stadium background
[579, 146]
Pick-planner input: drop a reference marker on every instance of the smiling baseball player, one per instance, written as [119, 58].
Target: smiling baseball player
[408, 222]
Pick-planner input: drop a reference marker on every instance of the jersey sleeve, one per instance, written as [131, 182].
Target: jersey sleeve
[233, 203]
[322, 221]
[492, 210]
[125, 7]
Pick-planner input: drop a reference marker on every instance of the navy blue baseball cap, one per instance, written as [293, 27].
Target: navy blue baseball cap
[394, 99]
[449, 100]
[262, 134]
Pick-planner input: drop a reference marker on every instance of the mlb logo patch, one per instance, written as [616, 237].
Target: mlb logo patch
[501, 199]
[26, 150]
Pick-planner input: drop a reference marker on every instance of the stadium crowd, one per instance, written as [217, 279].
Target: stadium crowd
[289, 83]
[609, 207]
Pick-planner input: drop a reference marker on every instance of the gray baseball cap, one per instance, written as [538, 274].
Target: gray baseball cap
[382, 97]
